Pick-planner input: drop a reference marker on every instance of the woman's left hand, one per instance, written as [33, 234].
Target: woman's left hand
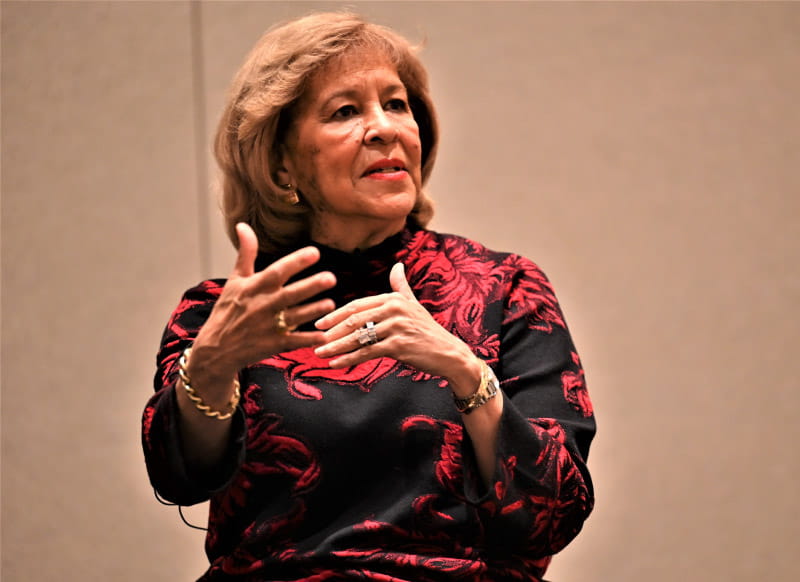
[405, 331]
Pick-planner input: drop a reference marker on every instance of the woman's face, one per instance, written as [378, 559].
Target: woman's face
[354, 153]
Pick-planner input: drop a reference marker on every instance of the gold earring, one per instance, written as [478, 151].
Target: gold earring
[291, 195]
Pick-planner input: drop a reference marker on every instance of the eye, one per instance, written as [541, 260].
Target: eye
[345, 112]
[397, 105]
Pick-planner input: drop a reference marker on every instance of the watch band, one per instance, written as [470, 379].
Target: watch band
[487, 390]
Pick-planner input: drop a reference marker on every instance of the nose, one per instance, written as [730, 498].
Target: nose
[381, 128]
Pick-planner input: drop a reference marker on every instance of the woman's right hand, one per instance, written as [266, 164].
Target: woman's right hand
[243, 329]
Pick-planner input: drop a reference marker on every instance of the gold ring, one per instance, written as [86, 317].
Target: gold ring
[280, 323]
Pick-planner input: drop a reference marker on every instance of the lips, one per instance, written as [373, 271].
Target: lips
[385, 166]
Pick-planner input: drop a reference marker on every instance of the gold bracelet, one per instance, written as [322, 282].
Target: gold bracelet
[192, 394]
[487, 390]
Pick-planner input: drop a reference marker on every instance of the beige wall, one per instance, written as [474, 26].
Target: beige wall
[644, 154]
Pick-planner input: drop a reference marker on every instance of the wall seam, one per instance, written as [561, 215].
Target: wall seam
[200, 138]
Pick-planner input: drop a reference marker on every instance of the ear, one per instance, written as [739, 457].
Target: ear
[284, 173]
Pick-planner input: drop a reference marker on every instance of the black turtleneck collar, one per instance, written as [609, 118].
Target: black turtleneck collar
[379, 254]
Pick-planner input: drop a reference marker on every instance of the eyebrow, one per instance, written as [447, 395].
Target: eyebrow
[352, 93]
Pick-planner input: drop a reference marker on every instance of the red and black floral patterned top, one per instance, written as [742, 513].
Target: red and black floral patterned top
[367, 473]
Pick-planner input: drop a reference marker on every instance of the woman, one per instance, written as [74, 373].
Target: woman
[362, 398]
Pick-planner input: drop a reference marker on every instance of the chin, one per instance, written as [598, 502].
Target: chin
[400, 199]
[401, 209]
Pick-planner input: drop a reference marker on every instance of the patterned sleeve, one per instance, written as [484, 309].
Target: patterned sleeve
[542, 492]
[169, 473]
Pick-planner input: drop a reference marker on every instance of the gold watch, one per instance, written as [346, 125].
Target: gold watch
[487, 390]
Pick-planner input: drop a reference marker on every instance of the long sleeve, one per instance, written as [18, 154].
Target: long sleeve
[504, 307]
[169, 473]
[542, 491]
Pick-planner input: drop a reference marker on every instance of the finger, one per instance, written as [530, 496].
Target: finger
[286, 267]
[357, 357]
[297, 316]
[298, 291]
[397, 279]
[361, 352]
[351, 310]
[351, 324]
[346, 337]
[248, 250]
[301, 339]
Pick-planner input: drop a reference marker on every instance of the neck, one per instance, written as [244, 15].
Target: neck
[350, 238]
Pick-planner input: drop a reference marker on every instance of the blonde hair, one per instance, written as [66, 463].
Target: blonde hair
[258, 114]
